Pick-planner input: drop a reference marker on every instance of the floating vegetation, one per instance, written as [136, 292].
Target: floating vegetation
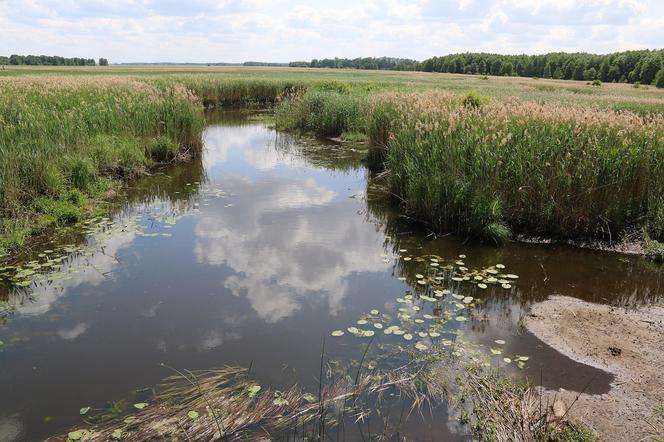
[438, 309]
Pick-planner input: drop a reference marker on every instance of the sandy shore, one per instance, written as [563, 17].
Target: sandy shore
[626, 343]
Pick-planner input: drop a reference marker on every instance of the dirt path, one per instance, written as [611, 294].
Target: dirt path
[627, 343]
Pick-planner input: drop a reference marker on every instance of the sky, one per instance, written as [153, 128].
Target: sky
[280, 31]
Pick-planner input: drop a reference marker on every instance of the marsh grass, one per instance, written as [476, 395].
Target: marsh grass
[60, 134]
[563, 171]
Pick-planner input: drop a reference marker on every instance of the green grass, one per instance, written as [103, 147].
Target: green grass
[480, 156]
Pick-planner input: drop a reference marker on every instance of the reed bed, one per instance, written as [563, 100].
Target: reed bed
[554, 170]
[60, 135]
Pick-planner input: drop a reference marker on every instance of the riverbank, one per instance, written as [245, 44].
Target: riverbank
[629, 343]
[67, 141]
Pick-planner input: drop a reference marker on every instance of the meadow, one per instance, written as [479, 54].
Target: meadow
[482, 156]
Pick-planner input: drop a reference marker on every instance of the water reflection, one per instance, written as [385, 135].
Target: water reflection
[252, 253]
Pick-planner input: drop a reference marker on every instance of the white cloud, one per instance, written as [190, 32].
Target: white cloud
[205, 30]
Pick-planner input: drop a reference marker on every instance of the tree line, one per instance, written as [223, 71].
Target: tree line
[623, 67]
[645, 66]
[49, 60]
[371, 63]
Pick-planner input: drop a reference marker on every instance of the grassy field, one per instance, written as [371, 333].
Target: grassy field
[480, 155]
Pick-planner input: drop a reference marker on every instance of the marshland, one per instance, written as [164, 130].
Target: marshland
[259, 253]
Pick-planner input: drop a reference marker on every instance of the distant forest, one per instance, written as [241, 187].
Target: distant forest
[645, 66]
[49, 60]
[387, 63]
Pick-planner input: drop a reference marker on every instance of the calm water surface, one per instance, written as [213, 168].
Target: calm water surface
[251, 255]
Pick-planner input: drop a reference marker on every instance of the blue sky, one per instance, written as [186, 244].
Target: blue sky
[263, 30]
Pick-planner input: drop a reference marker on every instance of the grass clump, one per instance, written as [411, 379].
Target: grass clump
[326, 113]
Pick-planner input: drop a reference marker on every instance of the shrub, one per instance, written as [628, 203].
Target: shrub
[596, 82]
[637, 84]
[473, 99]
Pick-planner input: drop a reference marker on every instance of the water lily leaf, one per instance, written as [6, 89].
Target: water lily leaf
[482, 285]
[130, 419]
[193, 414]
[362, 322]
[507, 360]
[83, 411]
[374, 312]
[76, 435]
[523, 358]
[280, 401]
[408, 337]
[421, 346]
[368, 333]
[140, 405]
[496, 351]
[462, 256]
[520, 364]
[506, 286]
[117, 434]
[337, 333]
[499, 342]
[434, 334]
[461, 318]
[378, 325]
[419, 276]
[511, 276]
[253, 390]
[309, 398]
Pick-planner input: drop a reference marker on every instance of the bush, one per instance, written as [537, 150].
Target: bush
[473, 99]
[596, 83]
[637, 84]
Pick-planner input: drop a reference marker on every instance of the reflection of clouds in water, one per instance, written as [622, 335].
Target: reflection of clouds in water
[73, 333]
[286, 239]
[255, 142]
[215, 338]
[96, 269]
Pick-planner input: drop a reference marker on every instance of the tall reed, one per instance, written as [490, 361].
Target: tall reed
[541, 168]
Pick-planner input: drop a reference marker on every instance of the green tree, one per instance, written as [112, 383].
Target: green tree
[103, 62]
[649, 69]
[659, 78]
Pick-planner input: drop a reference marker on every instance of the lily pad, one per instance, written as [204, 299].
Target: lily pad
[499, 342]
[193, 414]
[337, 333]
[83, 411]
[253, 390]
[309, 398]
[140, 405]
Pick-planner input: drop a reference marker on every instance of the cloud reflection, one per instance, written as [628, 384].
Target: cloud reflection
[290, 242]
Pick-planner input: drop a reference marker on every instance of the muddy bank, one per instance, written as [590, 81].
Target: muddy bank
[626, 343]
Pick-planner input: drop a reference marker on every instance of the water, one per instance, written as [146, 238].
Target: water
[252, 254]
